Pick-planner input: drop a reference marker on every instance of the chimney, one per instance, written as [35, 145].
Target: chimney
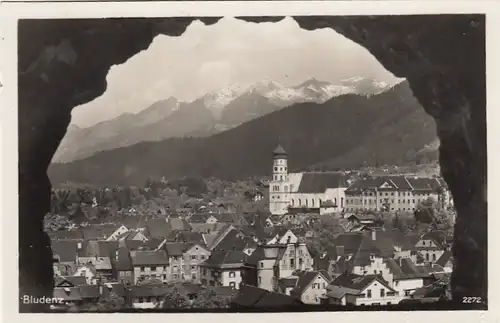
[340, 251]
[374, 235]
[79, 246]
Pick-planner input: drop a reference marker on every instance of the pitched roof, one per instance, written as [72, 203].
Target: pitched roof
[124, 261]
[222, 259]
[234, 241]
[357, 249]
[288, 282]
[320, 182]
[254, 297]
[99, 231]
[305, 279]
[445, 257]
[68, 294]
[100, 248]
[185, 237]
[146, 258]
[279, 151]
[117, 288]
[231, 218]
[158, 228]
[199, 218]
[208, 228]
[179, 224]
[395, 182]
[70, 280]
[176, 248]
[263, 252]
[66, 250]
[424, 183]
[100, 263]
[357, 282]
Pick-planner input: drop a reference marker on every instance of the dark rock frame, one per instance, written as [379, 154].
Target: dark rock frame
[442, 56]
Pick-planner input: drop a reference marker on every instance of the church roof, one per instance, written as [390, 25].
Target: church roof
[319, 182]
[279, 151]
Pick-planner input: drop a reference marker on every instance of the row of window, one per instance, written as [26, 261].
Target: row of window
[281, 169]
[318, 285]
[369, 293]
[393, 194]
[372, 201]
[154, 268]
[352, 209]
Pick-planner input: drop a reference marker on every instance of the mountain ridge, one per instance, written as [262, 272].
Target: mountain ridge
[345, 132]
[230, 107]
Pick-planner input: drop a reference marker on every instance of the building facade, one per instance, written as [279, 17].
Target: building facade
[316, 192]
[395, 193]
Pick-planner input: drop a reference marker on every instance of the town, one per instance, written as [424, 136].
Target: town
[317, 238]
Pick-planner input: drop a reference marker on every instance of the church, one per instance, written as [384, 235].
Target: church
[311, 192]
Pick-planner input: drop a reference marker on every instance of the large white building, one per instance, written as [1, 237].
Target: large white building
[321, 192]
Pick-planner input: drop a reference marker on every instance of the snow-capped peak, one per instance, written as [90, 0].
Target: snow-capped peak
[218, 99]
[265, 86]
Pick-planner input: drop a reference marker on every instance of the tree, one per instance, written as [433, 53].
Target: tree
[175, 298]
[208, 299]
[110, 302]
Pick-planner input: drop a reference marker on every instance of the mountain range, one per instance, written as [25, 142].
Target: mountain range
[346, 131]
[214, 112]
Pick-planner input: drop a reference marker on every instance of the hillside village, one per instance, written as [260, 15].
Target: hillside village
[316, 238]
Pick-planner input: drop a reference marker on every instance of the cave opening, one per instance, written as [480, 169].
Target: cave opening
[450, 87]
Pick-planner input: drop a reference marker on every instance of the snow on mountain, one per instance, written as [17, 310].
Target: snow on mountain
[217, 100]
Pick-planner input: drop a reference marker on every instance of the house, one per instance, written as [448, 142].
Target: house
[253, 297]
[185, 259]
[392, 193]
[352, 289]
[87, 271]
[148, 296]
[310, 286]
[231, 218]
[430, 247]
[213, 239]
[406, 276]
[97, 248]
[205, 218]
[161, 227]
[78, 294]
[101, 265]
[224, 268]
[68, 281]
[100, 231]
[236, 240]
[446, 261]
[282, 235]
[149, 265]
[122, 266]
[273, 262]
[185, 237]
[118, 232]
[132, 235]
[205, 228]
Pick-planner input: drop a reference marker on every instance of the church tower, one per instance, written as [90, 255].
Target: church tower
[279, 195]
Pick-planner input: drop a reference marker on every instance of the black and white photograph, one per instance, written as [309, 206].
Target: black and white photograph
[252, 163]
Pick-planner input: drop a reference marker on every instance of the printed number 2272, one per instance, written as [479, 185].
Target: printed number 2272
[471, 300]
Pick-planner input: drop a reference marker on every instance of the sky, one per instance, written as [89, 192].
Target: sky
[230, 52]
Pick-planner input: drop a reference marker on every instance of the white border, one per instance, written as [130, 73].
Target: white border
[10, 12]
